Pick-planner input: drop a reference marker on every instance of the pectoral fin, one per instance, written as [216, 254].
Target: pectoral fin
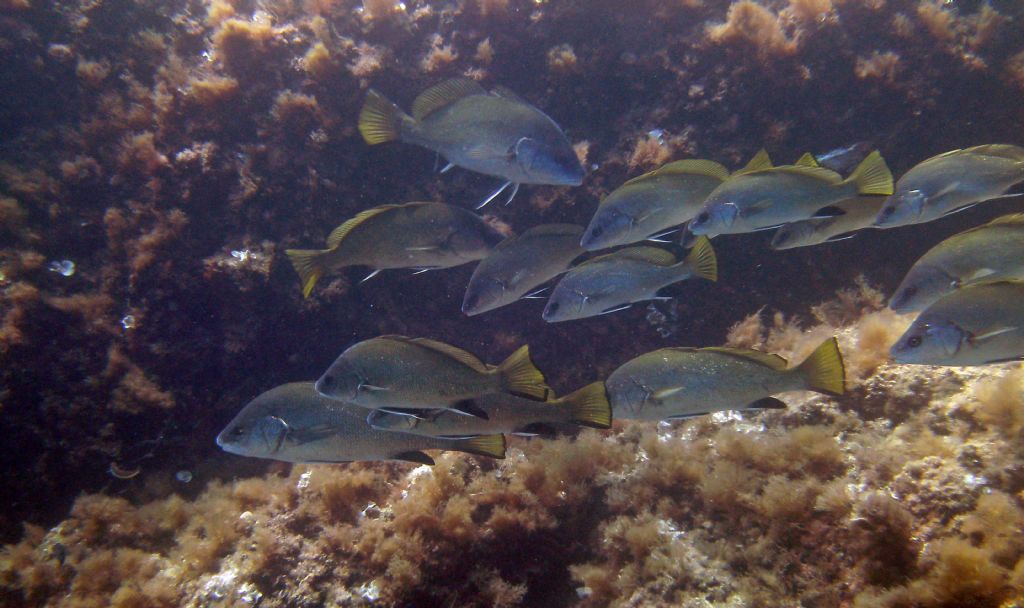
[992, 333]
[414, 456]
[667, 392]
[827, 212]
[467, 407]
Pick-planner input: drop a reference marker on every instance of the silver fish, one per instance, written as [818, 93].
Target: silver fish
[293, 423]
[650, 204]
[684, 382]
[845, 158]
[988, 253]
[616, 280]
[505, 414]
[519, 264]
[951, 182]
[761, 196]
[974, 325]
[858, 213]
[400, 372]
[495, 133]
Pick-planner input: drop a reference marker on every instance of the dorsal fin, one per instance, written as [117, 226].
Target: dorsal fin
[507, 93]
[820, 173]
[945, 154]
[767, 359]
[443, 94]
[650, 255]
[339, 233]
[466, 358]
[1013, 219]
[760, 162]
[694, 166]
[807, 160]
[1009, 151]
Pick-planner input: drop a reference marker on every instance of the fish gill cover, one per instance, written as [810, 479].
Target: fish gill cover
[158, 157]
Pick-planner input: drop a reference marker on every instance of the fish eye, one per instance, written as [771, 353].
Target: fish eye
[888, 211]
[597, 231]
[910, 291]
[327, 382]
[553, 307]
[472, 301]
[914, 342]
[238, 431]
[703, 217]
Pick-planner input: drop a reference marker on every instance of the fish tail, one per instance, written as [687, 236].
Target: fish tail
[484, 445]
[380, 120]
[824, 371]
[702, 260]
[589, 406]
[519, 375]
[310, 266]
[872, 176]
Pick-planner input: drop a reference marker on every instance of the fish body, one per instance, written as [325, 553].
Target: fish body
[952, 181]
[974, 325]
[505, 414]
[400, 372]
[684, 382]
[988, 253]
[519, 264]
[293, 423]
[615, 280]
[495, 133]
[766, 197]
[649, 204]
[858, 213]
[411, 235]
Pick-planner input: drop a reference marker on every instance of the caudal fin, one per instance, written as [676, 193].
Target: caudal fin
[484, 445]
[309, 264]
[824, 371]
[520, 376]
[702, 261]
[380, 120]
[589, 406]
[872, 176]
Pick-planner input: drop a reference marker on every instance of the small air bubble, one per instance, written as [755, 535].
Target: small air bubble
[128, 322]
[184, 476]
[241, 256]
[64, 267]
[304, 480]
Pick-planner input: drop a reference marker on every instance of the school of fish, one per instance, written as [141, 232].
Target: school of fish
[392, 397]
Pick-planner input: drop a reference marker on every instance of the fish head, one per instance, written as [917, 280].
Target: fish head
[922, 286]
[565, 305]
[609, 227]
[390, 421]
[715, 218]
[796, 234]
[545, 163]
[260, 436]
[929, 343]
[342, 381]
[903, 207]
[483, 294]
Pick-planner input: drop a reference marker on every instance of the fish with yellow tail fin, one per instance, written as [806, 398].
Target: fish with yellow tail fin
[652, 203]
[491, 132]
[505, 414]
[675, 383]
[951, 182]
[762, 198]
[412, 235]
[858, 214]
[988, 253]
[293, 423]
[615, 281]
[396, 372]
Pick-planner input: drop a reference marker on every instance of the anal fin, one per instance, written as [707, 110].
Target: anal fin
[414, 456]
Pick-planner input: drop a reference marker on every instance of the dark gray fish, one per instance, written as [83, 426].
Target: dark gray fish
[975, 325]
[412, 235]
[293, 423]
[685, 382]
[495, 133]
[858, 214]
[399, 372]
[521, 263]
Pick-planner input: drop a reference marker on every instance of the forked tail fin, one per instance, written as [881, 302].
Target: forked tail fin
[484, 445]
[380, 120]
[589, 406]
[520, 376]
[309, 264]
[701, 260]
[872, 176]
[824, 371]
